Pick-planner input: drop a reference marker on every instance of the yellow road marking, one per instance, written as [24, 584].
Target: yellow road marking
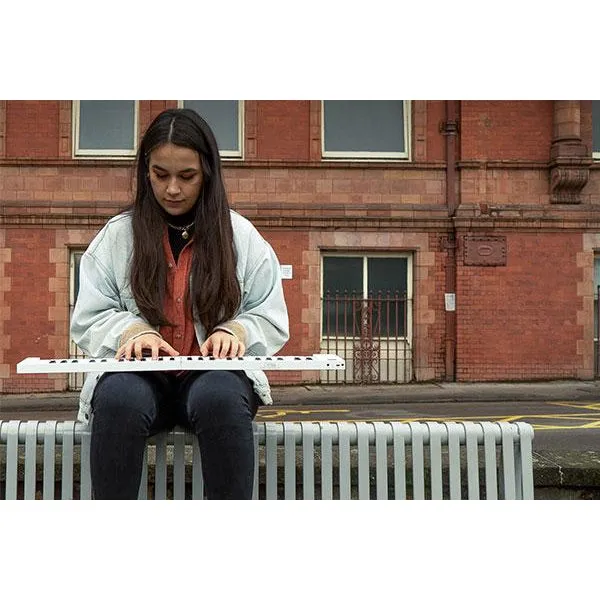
[595, 406]
[282, 413]
[589, 422]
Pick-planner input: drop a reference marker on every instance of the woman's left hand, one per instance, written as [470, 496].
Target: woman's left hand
[221, 344]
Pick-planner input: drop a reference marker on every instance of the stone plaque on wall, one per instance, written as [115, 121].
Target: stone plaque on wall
[485, 251]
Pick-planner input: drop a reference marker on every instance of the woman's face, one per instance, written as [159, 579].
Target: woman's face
[175, 177]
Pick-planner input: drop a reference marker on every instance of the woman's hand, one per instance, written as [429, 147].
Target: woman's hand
[148, 341]
[221, 344]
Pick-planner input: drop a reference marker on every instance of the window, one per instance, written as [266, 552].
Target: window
[596, 129]
[365, 129]
[75, 380]
[105, 128]
[225, 118]
[366, 296]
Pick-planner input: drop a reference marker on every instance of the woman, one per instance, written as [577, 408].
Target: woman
[178, 273]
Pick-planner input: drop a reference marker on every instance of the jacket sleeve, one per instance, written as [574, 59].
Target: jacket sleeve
[100, 315]
[263, 313]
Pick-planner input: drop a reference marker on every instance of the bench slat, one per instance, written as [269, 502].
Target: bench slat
[289, 461]
[86, 480]
[508, 462]
[454, 460]
[327, 461]
[418, 461]
[30, 459]
[399, 460]
[364, 483]
[471, 431]
[491, 474]
[435, 460]
[271, 462]
[197, 478]
[68, 447]
[48, 476]
[381, 469]
[344, 461]
[308, 461]
[12, 459]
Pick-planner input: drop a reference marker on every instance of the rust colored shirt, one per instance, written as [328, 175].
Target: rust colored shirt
[181, 335]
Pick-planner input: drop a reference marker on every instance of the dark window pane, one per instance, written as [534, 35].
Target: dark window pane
[596, 125]
[223, 118]
[387, 285]
[342, 274]
[387, 275]
[364, 125]
[106, 124]
[342, 290]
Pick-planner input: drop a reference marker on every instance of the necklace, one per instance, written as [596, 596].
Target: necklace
[184, 229]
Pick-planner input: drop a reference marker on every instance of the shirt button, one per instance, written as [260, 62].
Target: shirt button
[170, 265]
[178, 335]
[179, 300]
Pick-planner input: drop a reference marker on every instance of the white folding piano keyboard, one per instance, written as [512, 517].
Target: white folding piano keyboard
[316, 362]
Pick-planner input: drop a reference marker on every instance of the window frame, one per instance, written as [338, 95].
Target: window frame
[104, 154]
[74, 380]
[361, 156]
[231, 154]
[595, 153]
[74, 252]
[365, 256]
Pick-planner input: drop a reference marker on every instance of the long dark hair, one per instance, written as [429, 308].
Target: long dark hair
[214, 291]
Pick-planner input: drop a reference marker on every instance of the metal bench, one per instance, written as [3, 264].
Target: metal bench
[300, 460]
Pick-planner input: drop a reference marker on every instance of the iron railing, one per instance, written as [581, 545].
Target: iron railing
[373, 336]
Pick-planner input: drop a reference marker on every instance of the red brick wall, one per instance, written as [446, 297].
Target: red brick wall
[72, 184]
[32, 129]
[520, 321]
[149, 110]
[436, 331]
[290, 247]
[506, 130]
[29, 326]
[283, 130]
[350, 189]
[436, 142]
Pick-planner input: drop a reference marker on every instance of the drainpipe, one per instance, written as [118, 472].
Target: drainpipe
[449, 128]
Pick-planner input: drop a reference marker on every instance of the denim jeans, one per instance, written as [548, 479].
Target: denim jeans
[217, 406]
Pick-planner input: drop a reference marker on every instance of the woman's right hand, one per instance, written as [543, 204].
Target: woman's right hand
[148, 341]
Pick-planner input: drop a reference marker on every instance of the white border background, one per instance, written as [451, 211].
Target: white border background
[310, 50]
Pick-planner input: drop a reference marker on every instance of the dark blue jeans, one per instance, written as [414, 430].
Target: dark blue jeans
[218, 406]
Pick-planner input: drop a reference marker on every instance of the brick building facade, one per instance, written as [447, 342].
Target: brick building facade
[488, 212]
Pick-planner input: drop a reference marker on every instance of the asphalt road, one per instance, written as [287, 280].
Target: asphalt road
[568, 425]
[558, 424]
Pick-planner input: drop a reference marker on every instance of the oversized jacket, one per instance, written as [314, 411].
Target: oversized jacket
[105, 305]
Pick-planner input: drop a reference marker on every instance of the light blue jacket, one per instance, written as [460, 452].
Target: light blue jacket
[105, 306]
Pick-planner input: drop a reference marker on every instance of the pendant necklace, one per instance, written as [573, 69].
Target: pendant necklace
[184, 229]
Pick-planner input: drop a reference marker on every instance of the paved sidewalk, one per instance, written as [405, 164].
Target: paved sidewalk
[437, 392]
[374, 394]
